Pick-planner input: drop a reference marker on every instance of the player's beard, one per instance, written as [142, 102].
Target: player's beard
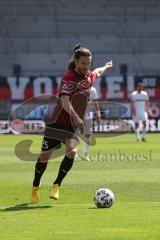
[81, 72]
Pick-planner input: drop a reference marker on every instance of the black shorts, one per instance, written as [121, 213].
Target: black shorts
[56, 134]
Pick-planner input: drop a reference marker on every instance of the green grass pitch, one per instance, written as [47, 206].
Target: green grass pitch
[134, 179]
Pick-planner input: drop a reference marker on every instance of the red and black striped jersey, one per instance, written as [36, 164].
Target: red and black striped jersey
[78, 88]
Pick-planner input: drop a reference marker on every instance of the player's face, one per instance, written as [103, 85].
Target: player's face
[83, 64]
[140, 88]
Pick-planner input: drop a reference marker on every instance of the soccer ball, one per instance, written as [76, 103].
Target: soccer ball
[104, 198]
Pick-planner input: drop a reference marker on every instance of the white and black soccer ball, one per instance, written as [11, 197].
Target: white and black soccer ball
[104, 198]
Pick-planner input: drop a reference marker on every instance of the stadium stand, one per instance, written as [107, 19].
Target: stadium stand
[128, 31]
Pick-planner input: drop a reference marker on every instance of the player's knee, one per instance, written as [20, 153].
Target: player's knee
[71, 153]
[44, 156]
[144, 124]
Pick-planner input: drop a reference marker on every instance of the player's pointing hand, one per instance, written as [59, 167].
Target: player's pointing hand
[109, 64]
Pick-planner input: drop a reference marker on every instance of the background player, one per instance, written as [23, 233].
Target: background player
[89, 124]
[140, 110]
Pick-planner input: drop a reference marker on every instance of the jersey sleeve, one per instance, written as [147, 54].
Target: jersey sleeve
[94, 77]
[67, 85]
[94, 94]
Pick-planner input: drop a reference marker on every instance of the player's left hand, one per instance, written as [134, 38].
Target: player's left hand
[109, 64]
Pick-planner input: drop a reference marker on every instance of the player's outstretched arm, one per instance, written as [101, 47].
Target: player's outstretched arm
[102, 70]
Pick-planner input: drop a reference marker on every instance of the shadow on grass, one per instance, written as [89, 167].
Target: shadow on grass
[97, 208]
[24, 206]
[93, 208]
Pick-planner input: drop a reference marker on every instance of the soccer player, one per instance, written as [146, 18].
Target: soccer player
[68, 119]
[140, 110]
[88, 127]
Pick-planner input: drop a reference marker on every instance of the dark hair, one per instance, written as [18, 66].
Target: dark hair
[78, 52]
